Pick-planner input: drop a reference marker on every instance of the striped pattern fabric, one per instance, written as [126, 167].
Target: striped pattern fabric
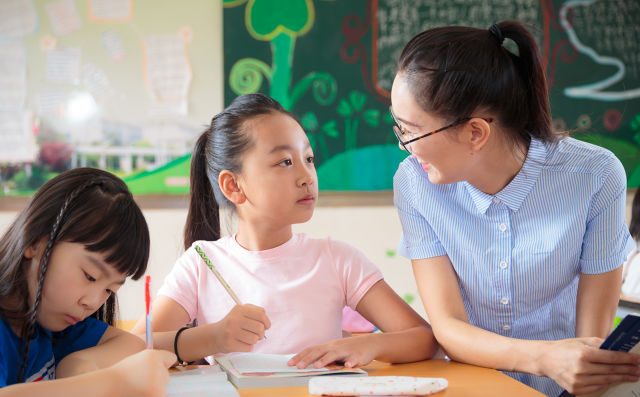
[518, 254]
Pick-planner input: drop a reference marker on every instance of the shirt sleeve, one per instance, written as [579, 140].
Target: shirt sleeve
[358, 274]
[82, 335]
[418, 240]
[181, 284]
[607, 241]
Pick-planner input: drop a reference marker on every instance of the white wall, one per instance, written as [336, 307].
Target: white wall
[372, 229]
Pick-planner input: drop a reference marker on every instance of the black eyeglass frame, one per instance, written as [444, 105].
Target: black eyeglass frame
[402, 131]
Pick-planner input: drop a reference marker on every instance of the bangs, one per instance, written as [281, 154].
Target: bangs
[123, 235]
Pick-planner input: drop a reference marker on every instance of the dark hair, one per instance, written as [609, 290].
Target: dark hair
[455, 70]
[220, 147]
[634, 226]
[83, 205]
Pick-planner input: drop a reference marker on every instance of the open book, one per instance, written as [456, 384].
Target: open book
[254, 370]
[624, 338]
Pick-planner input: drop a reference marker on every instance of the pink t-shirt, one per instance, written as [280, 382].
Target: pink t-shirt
[303, 285]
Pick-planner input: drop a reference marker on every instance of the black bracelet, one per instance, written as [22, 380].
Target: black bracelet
[175, 346]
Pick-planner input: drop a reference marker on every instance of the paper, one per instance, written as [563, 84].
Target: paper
[50, 103]
[63, 65]
[17, 18]
[13, 76]
[247, 363]
[112, 42]
[110, 10]
[63, 16]
[18, 143]
[205, 381]
[167, 68]
[95, 80]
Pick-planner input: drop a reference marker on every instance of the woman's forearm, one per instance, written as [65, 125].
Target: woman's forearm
[469, 344]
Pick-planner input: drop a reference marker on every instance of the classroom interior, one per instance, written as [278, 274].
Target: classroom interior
[114, 48]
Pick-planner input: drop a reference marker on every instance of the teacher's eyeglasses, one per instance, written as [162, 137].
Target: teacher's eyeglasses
[401, 132]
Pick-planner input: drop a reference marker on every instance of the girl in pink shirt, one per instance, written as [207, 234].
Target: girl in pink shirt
[256, 159]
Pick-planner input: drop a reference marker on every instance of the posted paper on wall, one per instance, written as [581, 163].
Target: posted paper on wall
[63, 16]
[167, 68]
[17, 18]
[63, 65]
[110, 10]
[13, 76]
[18, 142]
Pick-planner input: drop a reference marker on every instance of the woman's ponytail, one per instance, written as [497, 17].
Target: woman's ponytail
[529, 63]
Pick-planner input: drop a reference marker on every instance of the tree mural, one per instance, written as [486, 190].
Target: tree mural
[279, 22]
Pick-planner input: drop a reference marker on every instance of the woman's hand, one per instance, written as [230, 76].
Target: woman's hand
[353, 352]
[144, 373]
[579, 366]
[240, 329]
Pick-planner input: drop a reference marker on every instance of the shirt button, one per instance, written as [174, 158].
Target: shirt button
[502, 227]
[504, 301]
[503, 265]
[496, 200]
[506, 327]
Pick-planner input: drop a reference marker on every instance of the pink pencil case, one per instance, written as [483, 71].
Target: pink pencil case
[376, 385]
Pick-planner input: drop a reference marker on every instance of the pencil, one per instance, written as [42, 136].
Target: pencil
[218, 275]
[147, 300]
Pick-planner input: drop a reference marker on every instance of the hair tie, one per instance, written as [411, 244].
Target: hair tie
[497, 33]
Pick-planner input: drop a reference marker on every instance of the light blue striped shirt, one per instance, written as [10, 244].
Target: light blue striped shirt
[518, 254]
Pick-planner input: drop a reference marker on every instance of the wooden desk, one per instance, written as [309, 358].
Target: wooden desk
[464, 380]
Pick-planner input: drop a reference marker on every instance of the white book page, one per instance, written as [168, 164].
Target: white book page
[260, 362]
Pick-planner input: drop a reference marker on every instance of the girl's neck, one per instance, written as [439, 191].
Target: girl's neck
[255, 238]
[499, 165]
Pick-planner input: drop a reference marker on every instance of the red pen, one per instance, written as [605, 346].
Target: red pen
[147, 299]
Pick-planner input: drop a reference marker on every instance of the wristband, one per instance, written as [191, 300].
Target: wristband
[175, 346]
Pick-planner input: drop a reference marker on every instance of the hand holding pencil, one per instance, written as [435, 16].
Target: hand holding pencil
[243, 326]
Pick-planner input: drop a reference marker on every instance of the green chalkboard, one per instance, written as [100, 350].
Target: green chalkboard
[332, 62]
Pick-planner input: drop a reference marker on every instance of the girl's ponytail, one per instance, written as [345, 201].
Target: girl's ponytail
[203, 218]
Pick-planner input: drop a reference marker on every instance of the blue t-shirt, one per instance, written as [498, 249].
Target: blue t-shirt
[46, 349]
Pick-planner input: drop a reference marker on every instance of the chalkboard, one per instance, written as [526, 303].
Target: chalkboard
[332, 64]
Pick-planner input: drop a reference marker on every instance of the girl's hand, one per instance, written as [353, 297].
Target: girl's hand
[242, 328]
[354, 352]
[581, 367]
[144, 373]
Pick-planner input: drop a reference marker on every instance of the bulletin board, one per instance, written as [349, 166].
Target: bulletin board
[123, 85]
[332, 63]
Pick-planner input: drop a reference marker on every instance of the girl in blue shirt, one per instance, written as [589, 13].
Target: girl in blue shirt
[61, 262]
[516, 233]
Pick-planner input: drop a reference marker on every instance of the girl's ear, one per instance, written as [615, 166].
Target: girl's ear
[227, 181]
[35, 249]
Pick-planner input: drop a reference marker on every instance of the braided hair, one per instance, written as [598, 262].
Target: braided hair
[84, 205]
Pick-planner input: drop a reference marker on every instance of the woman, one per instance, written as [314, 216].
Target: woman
[516, 233]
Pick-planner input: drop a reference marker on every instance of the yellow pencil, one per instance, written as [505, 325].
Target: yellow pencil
[218, 275]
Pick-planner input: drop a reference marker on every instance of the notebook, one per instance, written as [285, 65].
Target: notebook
[255, 370]
[203, 381]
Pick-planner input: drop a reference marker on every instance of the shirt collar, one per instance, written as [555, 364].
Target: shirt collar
[515, 192]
